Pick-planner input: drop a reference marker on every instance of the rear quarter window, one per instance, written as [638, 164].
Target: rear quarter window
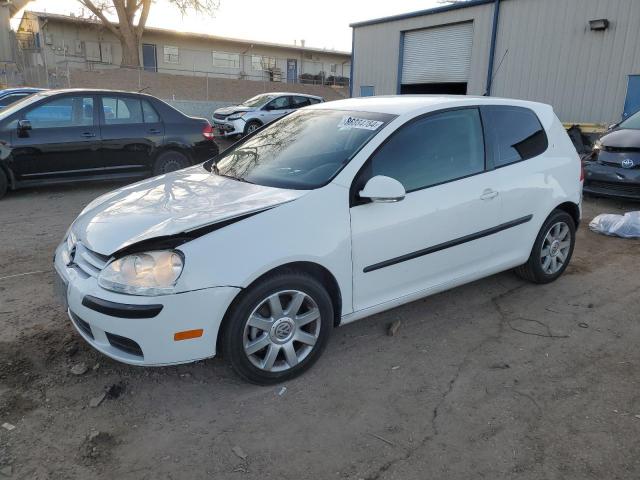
[514, 134]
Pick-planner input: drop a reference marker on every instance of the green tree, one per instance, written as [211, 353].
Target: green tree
[132, 18]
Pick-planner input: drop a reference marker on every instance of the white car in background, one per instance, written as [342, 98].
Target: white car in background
[334, 213]
[250, 115]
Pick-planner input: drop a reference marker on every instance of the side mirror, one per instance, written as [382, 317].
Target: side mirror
[612, 126]
[383, 189]
[24, 125]
[269, 107]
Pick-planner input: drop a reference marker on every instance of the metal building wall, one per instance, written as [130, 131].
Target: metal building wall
[377, 47]
[555, 58]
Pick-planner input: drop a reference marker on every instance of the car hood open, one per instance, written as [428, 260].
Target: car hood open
[170, 204]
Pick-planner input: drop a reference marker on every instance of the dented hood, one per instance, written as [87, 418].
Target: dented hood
[168, 205]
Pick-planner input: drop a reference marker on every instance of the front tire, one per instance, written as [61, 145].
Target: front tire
[278, 328]
[552, 250]
[170, 162]
[252, 126]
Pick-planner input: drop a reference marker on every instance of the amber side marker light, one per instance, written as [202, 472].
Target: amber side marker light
[187, 334]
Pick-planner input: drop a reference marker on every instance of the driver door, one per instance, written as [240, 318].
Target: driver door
[436, 234]
[64, 140]
[277, 108]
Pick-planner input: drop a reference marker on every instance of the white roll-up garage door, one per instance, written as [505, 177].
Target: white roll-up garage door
[437, 55]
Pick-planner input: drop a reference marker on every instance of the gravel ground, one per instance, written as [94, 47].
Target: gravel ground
[496, 379]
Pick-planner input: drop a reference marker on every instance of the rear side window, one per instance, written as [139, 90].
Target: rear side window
[513, 134]
[433, 150]
[299, 102]
[122, 110]
[313, 101]
[150, 114]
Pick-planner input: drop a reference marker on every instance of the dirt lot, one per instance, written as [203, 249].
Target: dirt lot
[496, 379]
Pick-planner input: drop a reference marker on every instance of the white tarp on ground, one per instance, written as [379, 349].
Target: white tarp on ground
[625, 226]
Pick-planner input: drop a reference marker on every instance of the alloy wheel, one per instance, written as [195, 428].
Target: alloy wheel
[282, 331]
[555, 248]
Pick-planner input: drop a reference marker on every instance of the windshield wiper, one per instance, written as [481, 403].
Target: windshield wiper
[216, 170]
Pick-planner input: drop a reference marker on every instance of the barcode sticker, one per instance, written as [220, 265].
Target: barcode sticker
[349, 122]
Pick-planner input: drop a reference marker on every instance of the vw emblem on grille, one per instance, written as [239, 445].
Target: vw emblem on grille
[627, 163]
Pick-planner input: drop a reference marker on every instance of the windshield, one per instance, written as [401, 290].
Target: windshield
[633, 122]
[302, 151]
[257, 101]
[14, 107]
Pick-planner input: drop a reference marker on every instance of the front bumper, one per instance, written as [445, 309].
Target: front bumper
[612, 181]
[143, 341]
[229, 128]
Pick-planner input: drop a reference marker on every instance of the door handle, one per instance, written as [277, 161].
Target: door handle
[488, 194]
[88, 135]
[154, 130]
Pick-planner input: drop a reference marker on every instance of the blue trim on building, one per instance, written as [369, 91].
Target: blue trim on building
[421, 13]
[400, 60]
[353, 58]
[492, 49]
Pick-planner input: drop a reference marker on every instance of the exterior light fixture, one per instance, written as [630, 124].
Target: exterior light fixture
[598, 25]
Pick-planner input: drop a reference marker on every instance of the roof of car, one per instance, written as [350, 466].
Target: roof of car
[7, 91]
[291, 93]
[401, 104]
[87, 90]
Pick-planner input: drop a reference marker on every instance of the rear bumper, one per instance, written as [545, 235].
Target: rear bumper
[205, 150]
[610, 181]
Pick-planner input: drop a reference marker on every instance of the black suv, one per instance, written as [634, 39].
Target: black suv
[58, 136]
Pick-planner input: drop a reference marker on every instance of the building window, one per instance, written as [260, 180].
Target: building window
[333, 67]
[171, 54]
[226, 60]
[259, 62]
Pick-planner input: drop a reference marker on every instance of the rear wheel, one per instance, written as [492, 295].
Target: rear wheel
[251, 126]
[170, 162]
[552, 249]
[279, 328]
[4, 183]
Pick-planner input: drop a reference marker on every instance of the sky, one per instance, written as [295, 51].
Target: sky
[321, 23]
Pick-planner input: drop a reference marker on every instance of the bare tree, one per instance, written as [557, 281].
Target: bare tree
[132, 18]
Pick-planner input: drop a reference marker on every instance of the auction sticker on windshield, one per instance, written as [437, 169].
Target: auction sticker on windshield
[349, 122]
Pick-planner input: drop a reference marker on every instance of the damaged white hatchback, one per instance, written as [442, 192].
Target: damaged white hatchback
[333, 213]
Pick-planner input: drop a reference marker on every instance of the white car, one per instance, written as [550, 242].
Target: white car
[331, 214]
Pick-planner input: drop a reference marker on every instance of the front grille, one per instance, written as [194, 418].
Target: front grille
[616, 164]
[88, 261]
[622, 188]
[81, 325]
[125, 344]
[219, 116]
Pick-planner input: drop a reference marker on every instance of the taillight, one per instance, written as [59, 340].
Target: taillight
[581, 170]
[207, 132]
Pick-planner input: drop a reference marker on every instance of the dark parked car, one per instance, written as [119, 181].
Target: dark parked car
[9, 96]
[60, 136]
[613, 168]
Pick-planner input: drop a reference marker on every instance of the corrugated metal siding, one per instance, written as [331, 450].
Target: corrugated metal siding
[377, 48]
[554, 57]
[439, 54]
